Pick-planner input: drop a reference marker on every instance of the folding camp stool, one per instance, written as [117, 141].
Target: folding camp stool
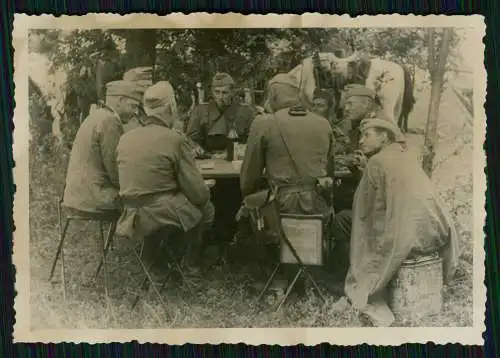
[160, 248]
[101, 218]
[292, 253]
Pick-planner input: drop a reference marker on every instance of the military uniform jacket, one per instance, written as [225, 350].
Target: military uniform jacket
[311, 142]
[92, 178]
[209, 128]
[160, 183]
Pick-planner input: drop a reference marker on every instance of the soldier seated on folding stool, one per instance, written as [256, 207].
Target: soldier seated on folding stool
[92, 183]
[160, 184]
[295, 148]
[142, 77]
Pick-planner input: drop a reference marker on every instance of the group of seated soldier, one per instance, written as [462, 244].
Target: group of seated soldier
[128, 159]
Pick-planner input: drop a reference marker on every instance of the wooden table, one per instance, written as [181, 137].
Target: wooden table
[224, 169]
[221, 169]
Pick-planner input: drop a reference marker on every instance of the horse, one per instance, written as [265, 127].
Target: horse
[391, 81]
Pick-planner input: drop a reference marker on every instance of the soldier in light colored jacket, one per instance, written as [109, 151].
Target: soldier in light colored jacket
[92, 179]
[160, 184]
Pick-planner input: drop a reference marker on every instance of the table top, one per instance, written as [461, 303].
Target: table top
[220, 168]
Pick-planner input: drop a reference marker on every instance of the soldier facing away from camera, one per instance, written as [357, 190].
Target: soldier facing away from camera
[92, 183]
[291, 148]
[160, 184]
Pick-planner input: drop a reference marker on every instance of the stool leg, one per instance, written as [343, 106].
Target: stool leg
[289, 289]
[179, 269]
[103, 247]
[59, 248]
[144, 282]
[315, 285]
[146, 271]
[268, 283]
[109, 242]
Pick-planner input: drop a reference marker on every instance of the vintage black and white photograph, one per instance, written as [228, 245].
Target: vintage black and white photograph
[220, 177]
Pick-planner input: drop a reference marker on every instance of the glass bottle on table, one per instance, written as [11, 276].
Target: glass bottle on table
[232, 140]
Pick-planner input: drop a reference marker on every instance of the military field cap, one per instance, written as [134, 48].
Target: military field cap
[124, 89]
[222, 79]
[359, 90]
[158, 97]
[139, 74]
[386, 124]
[284, 78]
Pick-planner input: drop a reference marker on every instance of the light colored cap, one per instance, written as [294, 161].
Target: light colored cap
[139, 74]
[124, 89]
[158, 97]
[388, 125]
[284, 78]
[359, 90]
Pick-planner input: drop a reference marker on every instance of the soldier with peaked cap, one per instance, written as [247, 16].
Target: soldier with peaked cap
[357, 103]
[160, 184]
[143, 78]
[397, 215]
[209, 126]
[92, 179]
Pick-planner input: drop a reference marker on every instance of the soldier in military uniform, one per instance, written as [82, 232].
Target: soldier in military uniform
[160, 184]
[293, 147]
[360, 103]
[92, 179]
[324, 105]
[209, 126]
[211, 122]
[143, 78]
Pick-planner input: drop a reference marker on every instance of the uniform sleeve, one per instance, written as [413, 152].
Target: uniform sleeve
[111, 131]
[254, 161]
[189, 177]
[194, 126]
[248, 116]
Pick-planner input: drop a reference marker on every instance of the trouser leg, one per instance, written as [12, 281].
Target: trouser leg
[195, 236]
[227, 200]
[342, 225]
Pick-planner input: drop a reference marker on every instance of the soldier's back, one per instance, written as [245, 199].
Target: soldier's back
[308, 138]
[147, 159]
[88, 186]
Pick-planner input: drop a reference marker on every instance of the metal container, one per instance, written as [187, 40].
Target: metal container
[416, 289]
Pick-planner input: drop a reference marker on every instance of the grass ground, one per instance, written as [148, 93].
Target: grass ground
[224, 297]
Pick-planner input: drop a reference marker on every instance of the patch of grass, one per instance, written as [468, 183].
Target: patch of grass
[224, 298]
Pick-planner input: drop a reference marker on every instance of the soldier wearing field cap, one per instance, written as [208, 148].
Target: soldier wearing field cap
[209, 126]
[92, 179]
[160, 184]
[357, 103]
[211, 122]
[397, 215]
[143, 78]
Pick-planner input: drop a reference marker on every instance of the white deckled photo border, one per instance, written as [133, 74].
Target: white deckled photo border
[253, 336]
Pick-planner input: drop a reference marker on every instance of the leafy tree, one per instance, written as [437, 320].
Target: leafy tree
[185, 57]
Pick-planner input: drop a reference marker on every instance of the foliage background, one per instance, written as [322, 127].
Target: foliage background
[187, 56]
